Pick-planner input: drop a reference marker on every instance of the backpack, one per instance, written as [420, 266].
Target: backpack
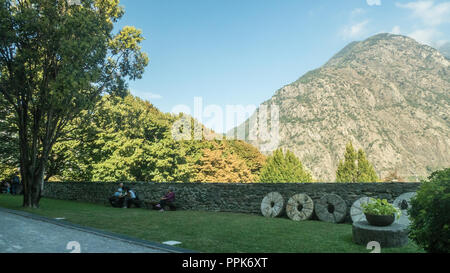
[136, 194]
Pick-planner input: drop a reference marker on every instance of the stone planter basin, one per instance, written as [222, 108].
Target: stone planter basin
[380, 220]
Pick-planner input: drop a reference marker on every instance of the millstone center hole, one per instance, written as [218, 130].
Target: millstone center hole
[272, 204]
[330, 208]
[300, 207]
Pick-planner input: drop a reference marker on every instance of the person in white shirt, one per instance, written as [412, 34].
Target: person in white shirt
[130, 197]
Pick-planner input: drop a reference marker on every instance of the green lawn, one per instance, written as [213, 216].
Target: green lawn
[208, 231]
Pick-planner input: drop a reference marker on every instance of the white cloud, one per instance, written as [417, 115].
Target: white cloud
[396, 30]
[425, 36]
[430, 13]
[430, 17]
[440, 43]
[355, 31]
[374, 2]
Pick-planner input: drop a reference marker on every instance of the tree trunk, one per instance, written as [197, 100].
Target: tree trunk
[32, 191]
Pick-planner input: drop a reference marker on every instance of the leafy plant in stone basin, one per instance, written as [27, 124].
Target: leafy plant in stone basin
[380, 207]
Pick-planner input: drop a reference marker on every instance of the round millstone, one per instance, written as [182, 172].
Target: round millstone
[331, 208]
[395, 235]
[403, 202]
[356, 211]
[300, 207]
[272, 205]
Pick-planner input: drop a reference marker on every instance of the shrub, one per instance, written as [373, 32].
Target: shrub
[430, 214]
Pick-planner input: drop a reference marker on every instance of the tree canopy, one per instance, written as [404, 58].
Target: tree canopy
[128, 139]
[284, 168]
[57, 59]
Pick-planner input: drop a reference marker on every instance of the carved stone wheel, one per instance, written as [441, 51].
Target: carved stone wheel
[300, 207]
[272, 205]
[403, 202]
[356, 211]
[331, 208]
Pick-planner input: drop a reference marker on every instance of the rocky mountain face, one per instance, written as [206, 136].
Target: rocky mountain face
[388, 95]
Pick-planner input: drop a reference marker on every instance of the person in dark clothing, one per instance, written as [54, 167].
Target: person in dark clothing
[4, 187]
[166, 200]
[7, 187]
[15, 185]
[117, 199]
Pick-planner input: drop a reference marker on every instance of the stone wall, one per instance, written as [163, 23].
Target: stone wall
[243, 198]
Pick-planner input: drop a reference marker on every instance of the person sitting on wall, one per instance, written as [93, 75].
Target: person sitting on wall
[166, 200]
[7, 187]
[117, 199]
[15, 185]
[130, 198]
[3, 187]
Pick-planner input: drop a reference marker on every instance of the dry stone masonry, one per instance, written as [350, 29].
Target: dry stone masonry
[240, 198]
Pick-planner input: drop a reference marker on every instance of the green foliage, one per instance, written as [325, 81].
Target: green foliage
[355, 167]
[429, 213]
[57, 60]
[6, 172]
[284, 168]
[128, 139]
[250, 154]
[121, 140]
[9, 147]
[381, 207]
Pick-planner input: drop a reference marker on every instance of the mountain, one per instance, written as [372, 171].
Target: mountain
[445, 50]
[388, 95]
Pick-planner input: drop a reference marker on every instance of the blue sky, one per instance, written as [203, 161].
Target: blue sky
[239, 52]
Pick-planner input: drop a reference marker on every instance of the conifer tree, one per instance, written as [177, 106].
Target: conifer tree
[355, 167]
[284, 168]
[347, 168]
[366, 172]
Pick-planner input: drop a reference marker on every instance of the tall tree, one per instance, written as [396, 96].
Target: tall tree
[57, 59]
[355, 167]
[366, 172]
[284, 168]
[347, 169]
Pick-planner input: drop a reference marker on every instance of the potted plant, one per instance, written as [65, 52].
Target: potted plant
[380, 213]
